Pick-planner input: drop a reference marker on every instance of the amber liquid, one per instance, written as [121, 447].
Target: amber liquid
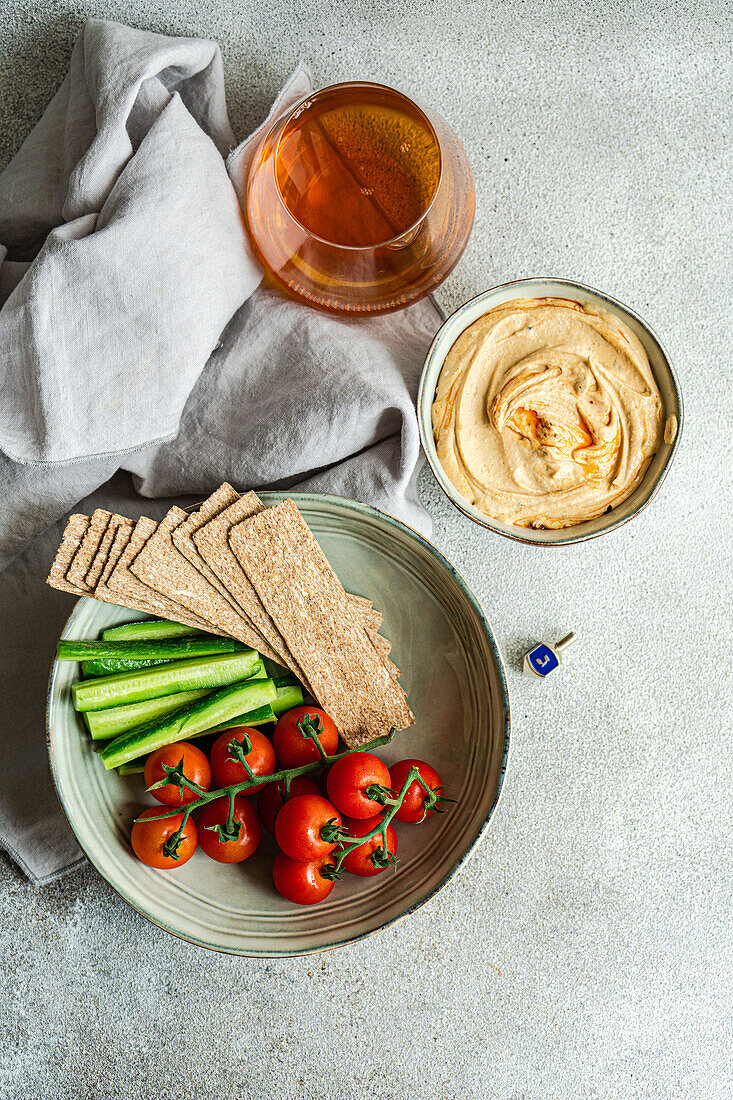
[357, 202]
[359, 172]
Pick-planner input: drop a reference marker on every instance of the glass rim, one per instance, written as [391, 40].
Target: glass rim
[285, 119]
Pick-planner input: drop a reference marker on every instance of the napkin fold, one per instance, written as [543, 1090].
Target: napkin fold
[136, 335]
[140, 253]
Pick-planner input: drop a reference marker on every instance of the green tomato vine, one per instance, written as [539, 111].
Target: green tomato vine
[229, 830]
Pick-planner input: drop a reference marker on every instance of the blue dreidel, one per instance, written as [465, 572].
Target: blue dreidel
[543, 659]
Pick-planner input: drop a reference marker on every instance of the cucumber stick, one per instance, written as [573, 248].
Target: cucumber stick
[107, 666]
[150, 630]
[260, 717]
[113, 721]
[215, 709]
[147, 683]
[168, 649]
[289, 695]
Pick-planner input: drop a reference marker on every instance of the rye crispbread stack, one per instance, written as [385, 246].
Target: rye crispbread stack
[236, 568]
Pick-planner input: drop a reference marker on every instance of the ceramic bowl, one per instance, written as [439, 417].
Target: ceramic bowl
[453, 676]
[661, 367]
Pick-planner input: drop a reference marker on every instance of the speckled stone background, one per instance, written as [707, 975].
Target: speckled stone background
[585, 951]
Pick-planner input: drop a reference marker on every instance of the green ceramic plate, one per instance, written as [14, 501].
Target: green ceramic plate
[453, 676]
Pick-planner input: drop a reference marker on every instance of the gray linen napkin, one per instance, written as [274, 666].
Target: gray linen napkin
[135, 336]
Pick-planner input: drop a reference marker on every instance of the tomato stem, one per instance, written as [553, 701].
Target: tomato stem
[357, 842]
[382, 857]
[378, 793]
[286, 774]
[230, 829]
[310, 725]
[175, 777]
[173, 843]
[238, 749]
[332, 833]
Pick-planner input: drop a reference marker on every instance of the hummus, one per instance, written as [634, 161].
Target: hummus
[546, 413]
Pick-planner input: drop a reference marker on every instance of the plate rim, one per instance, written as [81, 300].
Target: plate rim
[370, 512]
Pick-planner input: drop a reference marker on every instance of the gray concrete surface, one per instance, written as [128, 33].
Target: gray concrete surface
[586, 949]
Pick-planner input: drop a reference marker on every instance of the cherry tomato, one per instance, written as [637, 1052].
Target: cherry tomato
[302, 883]
[360, 862]
[348, 780]
[195, 767]
[413, 806]
[148, 839]
[228, 771]
[271, 798]
[240, 847]
[293, 747]
[299, 826]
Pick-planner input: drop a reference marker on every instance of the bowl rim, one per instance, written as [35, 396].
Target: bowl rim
[425, 401]
[505, 734]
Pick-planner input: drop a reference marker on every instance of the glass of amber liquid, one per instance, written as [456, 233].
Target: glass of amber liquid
[359, 201]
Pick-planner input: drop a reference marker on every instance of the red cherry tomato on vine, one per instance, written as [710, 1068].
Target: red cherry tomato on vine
[293, 747]
[348, 780]
[227, 771]
[195, 767]
[302, 883]
[271, 798]
[360, 861]
[413, 806]
[149, 838]
[299, 827]
[239, 848]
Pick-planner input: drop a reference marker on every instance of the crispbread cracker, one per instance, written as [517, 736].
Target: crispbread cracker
[107, 556]
[183, 537]
[99, 561]
[372, 622]
[161, 566]
[211, 541]
[74, 532]
[124, 588]
[383, 647]
[310, 608]
[372, 618]
[79, 567]
[120, 540]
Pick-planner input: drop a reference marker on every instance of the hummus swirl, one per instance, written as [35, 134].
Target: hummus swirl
[546, 413]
